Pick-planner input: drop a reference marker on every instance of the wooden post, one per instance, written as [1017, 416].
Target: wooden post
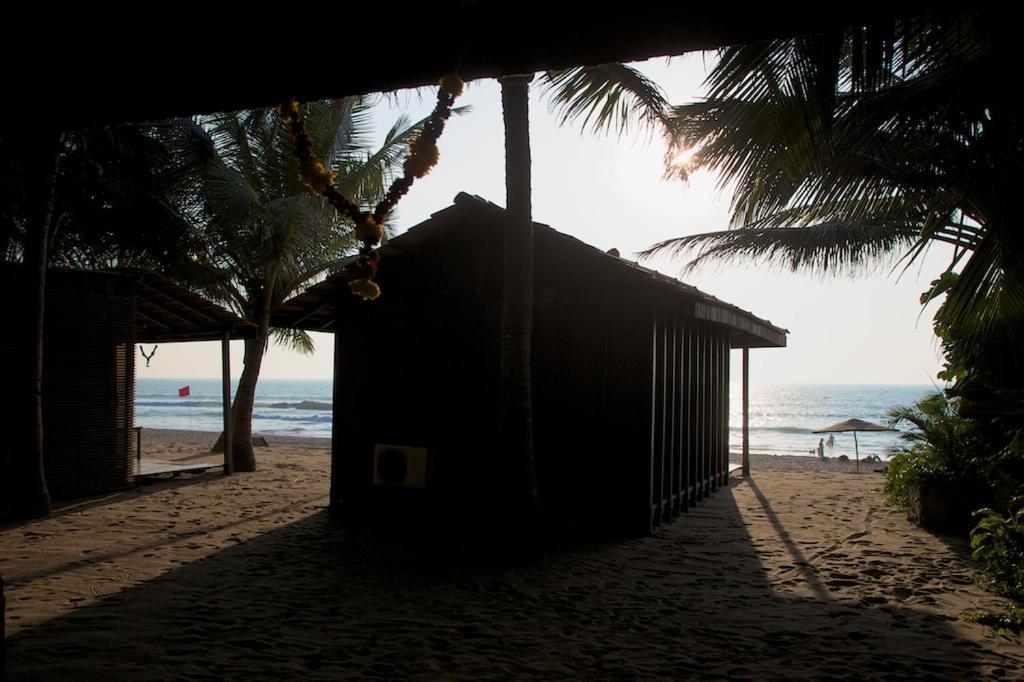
[676, 487]
[746, 411]
[726, 366]
[713, 414]
[663, 375]
[687, 412]
[727, 402]
[658, 418]
[225, 353]
[357, 336]
[692, 424]
[856, 450]
[653, 420]
[721, 451]
[702, 415]
[3, 631]
[337, 399]
[706, 429]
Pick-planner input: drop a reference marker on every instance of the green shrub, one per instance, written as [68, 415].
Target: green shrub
[998, 545]
[941, 447]
[906, 468]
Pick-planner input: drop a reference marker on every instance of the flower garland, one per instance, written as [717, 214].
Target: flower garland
[369, 225]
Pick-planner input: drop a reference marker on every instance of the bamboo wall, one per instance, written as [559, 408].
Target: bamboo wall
[88, 385]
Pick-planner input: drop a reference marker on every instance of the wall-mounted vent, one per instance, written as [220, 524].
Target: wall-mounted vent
[400, 466]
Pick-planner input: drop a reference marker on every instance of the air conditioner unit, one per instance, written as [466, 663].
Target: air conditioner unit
[400, 466]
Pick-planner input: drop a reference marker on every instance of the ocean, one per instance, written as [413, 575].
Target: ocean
[289, 407]
[782, 417]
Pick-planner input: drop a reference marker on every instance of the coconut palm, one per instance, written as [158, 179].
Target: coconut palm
[855, 148]
[943, 440]
[868, 143]
[611, 98]
[33, 167]
[118, 193]
[516, 399]
[75, 198]
[264, 237]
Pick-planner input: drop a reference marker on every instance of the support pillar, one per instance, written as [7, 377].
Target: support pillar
[225, 353]
[746, 411]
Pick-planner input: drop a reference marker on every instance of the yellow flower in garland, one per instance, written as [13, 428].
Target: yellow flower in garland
[423, 155]
[368, 230]
[316, 177]
[369, 227]
[452, 84]
[366, 289]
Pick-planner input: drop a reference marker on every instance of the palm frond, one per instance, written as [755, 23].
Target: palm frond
[609, 98]
[294, 339]
[367, 177]
[882, 125]
[825, 248]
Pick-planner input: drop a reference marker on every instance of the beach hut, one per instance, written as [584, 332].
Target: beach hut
[630, 378]
[93, 320]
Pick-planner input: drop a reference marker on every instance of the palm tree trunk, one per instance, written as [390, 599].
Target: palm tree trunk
[31, 498]
[243, 457]
[516, 412]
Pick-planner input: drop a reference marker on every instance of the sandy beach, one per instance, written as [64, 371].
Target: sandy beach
[792, 573]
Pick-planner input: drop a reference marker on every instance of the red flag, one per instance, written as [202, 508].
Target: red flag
[183, 392]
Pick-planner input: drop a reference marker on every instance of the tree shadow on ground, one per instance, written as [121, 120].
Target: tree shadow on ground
[317, 599]
[139, 490]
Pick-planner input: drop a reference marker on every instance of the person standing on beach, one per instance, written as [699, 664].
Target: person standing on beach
[831, 440]
[821, 448]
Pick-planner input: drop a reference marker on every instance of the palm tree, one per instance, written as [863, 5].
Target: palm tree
[38, 175]
[855, 147]
[118, 194]
[944, 440]
[67, 198]
[604, 96]
[516, 416]
[869, 143]
[263, 236]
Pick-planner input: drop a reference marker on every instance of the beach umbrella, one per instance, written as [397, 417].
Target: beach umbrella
[854, 425]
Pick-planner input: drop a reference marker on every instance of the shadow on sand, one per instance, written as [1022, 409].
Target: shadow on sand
[314, 598]
[142, 488]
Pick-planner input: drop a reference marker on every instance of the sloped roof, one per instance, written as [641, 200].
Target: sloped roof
[168, 312]
[165, 312]
[316, 309]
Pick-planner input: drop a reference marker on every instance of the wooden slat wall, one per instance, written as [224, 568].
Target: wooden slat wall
[701, 358]
[124, 415]
[715, 454]
[658, 420]
[693, 443]
[679, 432]
[726, 374]
[689, 415]
[88, 380]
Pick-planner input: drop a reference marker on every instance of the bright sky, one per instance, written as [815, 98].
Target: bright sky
[609, 192]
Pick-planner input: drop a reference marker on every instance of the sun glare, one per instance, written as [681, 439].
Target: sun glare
[684, 157]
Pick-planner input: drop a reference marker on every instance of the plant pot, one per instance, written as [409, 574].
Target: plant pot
[942, 507]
